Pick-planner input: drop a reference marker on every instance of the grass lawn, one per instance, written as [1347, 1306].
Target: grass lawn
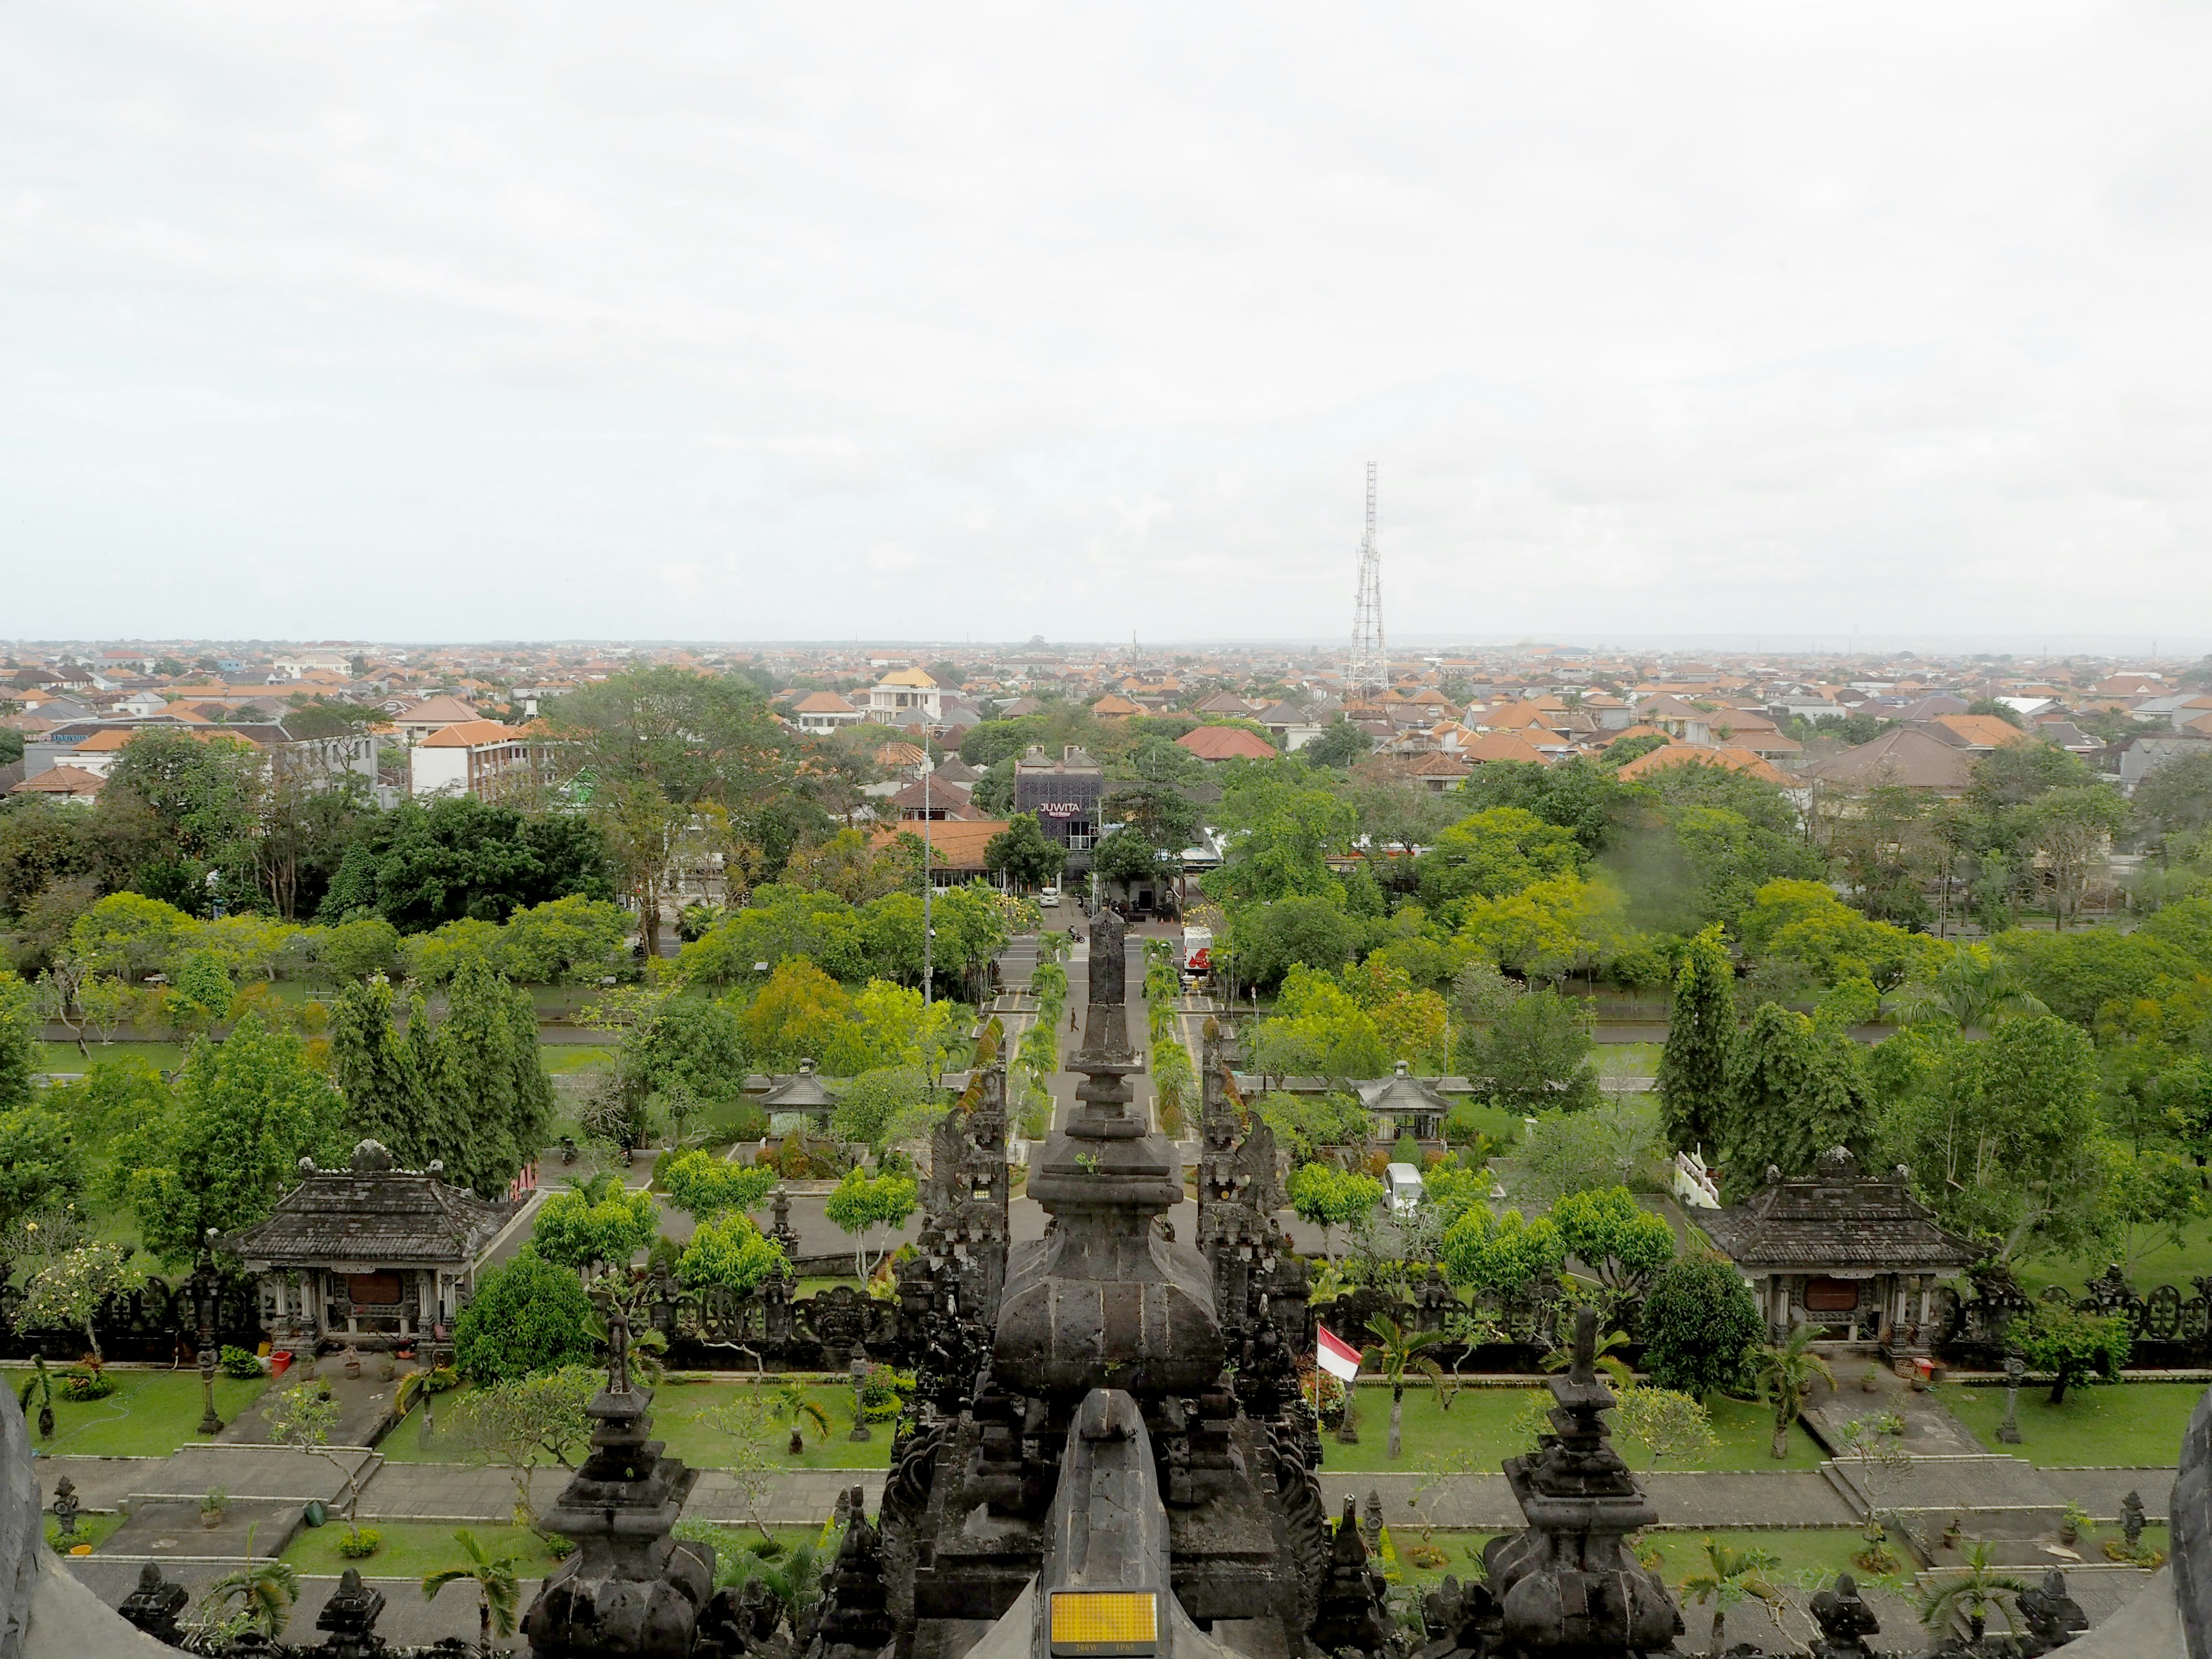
[1627, 1058]
[1481, 1429]
[2122, 1425]
[1809, 1557]
[411, 1548]
[677, 1409]
[64, 1057]
[2163, 1265]
[559, 1058]
[150, 1413]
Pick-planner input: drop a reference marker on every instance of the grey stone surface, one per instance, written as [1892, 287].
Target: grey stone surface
[2100, 1491]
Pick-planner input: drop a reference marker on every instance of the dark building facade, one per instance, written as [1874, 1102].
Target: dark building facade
[1064, 794]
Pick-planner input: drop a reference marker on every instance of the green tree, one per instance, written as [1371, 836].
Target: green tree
[1321, 1196]
[600, 1223]
[1320, 1029]
[1493, 853]
[863, 1203]
[798, 1015]
[527, 1315]
[1339, 744]
[1699, 1324]
[1397, 1352]
[67, 1293]
[729, 1252]
[562, 940]
[2003, 1138]
[1281, 829]
[1024, 853]
[19, 1040]
[374, 1071]
[1784, 1373]
[1730, 1576]
[42, 1167]
[1794, 1089]
[1619, 1240]
[357, 948]
[420, 867]
[1582, 797]
[244, 1115]
[2075, 1348]
[1971, 1593]
[1155, 811]
[1126, 856]
[1267, 940]
[200, 991]
[705, 1185]
[490, 1101]
[1693, 1067]
[1535, 1054]
[499, 1591]
[520, 1422]
[882, 1103]
[1504, 1254]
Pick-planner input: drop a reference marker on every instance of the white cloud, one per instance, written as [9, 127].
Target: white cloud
[682, 319]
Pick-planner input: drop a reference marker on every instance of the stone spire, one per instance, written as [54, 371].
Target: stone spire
[1568, 1586]
[1104, 1301]
[630, 1588]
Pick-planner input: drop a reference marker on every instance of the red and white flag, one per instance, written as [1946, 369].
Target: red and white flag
[1337, 1357]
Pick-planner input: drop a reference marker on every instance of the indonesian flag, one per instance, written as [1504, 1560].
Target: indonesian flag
[1337, 1357]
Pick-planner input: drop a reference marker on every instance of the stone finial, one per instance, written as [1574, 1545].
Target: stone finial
[2132, 1518]
[2052, 1616]
[350, 1617]
[1845, 1619]
[370, 1158]
[155, 1605]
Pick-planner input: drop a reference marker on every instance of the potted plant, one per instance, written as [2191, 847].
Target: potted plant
[211, 1507]
[352, 1359]
[2077, 1524]
[1871, 1382]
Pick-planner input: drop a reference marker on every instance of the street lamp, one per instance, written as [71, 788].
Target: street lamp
[204, 1293]
[927, 881]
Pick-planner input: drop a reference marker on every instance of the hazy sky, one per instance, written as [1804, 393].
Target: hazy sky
[478, 320]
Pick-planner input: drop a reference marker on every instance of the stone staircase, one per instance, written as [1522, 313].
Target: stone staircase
[267, 1490]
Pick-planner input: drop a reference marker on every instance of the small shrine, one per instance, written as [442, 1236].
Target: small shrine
[368, 1256]
[1402, 1103]
[1856, 1254]
[802, 1093]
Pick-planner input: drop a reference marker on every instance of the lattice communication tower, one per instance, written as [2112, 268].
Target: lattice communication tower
[1369, 673]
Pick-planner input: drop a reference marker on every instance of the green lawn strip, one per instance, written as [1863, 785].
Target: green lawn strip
[558, 1058]
[64, 1057]
[411, 1548]
[2122, 1425]
[91, 1529]
[1810, 1557]
[677, 1409]
[1481, 1427]
[2166, 1264]
[150, 1413]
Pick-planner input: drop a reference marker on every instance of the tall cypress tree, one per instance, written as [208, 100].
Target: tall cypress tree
[1796, 1088]
[1693, 1071]
[375, 1070]
[533, 1090]
[476, 1082]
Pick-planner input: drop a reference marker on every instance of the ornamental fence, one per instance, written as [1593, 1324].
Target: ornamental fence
[155, 1322]
[2171, 1327]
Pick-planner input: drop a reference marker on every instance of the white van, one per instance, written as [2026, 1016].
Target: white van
[1049, 898]
[1402, 1184]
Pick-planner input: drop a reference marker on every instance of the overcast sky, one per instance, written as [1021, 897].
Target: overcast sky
[475, 321]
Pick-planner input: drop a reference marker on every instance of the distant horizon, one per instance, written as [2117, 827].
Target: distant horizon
[2181, 649]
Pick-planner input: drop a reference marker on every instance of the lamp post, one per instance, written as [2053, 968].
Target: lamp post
[203, 1292]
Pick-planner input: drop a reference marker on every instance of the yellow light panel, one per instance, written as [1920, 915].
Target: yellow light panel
[1105, 1622]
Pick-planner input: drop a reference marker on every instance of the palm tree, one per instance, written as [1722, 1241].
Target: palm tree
[415, 1388]
[1397, 1352]
[1730, 1578]
[1607, 1358]
[1786, 1375]
[264, 1589]
[794, 1577]
[1970, 1592]
[794, 1408]
[1973, 989]
[498, 1590]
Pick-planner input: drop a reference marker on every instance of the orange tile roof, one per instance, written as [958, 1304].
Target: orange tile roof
[60, 780]
[954, 843]
[110, 739]
[1501, 746]
[1983, 731]
[1217, 743]
[469, 734]
[1687, 754]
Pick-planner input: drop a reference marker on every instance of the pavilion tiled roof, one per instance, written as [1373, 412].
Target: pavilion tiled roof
[1838, 1218]
[373, 1213]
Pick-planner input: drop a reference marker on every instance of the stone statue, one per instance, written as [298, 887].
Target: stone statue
[2131, 1521]
[155, 1605]
[1845, 1619]
[65, 1507]
[350, 1617]
[2052, 1617]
